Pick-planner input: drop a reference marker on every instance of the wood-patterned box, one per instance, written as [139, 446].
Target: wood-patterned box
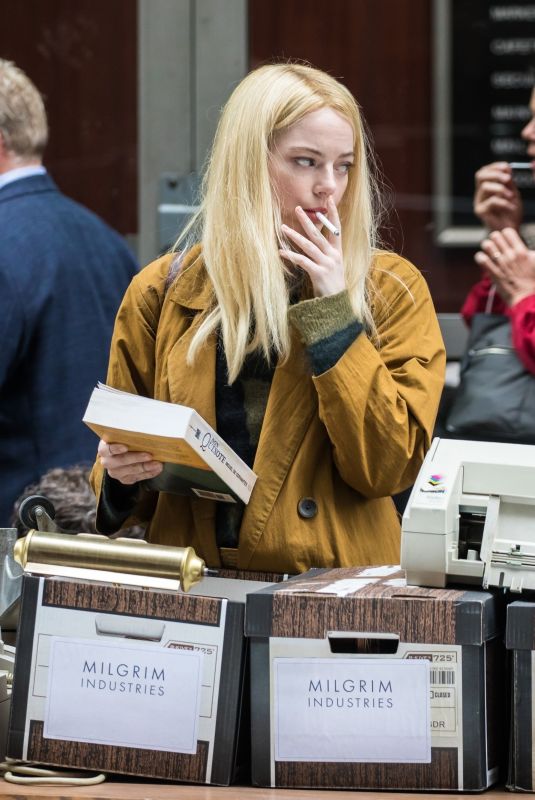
[359, 681]
[520, 640]
[129, 680]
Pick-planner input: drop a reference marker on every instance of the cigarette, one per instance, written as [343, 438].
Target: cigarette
[328, 224]
[520, 164]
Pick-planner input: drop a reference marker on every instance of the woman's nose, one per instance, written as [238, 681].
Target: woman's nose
[326, 183]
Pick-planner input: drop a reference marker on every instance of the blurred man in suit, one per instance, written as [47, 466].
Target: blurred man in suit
[63, 273]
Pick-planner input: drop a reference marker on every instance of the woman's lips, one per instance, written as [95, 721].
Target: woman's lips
[311, 212]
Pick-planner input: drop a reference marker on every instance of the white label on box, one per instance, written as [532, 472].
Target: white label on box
[352, 710]
[131, 695]
[446, 691]
[346, 586]
[380, 572]
[210, 680]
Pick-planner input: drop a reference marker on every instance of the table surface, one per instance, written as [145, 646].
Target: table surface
[121, 790]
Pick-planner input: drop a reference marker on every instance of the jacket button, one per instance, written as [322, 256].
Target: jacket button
[307, 507]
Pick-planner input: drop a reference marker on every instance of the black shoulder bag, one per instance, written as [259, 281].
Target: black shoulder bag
[495, 400]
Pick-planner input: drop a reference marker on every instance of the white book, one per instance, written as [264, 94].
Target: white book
[197, 460]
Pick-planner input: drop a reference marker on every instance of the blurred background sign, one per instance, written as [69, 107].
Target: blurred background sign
[484, 58]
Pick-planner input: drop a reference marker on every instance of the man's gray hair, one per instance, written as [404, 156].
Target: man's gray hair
[23, 123]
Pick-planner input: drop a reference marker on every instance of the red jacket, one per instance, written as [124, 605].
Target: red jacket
[522, 316]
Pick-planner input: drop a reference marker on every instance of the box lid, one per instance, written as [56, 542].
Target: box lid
[130, 601]
[371, 600]
[520, 628]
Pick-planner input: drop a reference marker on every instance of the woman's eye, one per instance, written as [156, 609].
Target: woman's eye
[344, 168]
[303, 161]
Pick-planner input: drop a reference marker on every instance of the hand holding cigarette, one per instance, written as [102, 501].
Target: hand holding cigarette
[319, 256]
[328, 224]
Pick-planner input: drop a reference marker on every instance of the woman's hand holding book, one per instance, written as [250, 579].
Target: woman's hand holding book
[127, 466]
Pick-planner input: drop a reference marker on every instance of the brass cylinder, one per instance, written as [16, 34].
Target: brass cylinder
[92, 551]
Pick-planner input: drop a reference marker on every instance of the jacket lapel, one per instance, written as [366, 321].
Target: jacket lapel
[193, 385]
[291, 404]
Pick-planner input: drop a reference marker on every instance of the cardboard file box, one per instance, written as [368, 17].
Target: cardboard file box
[361, 682]
[129, 680]
[520, 640]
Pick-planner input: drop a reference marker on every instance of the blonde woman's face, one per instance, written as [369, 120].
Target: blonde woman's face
[310, 161]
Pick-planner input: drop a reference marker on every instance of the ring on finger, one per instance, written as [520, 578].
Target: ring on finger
[496, 255]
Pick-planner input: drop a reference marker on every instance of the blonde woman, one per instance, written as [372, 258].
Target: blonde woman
[316, 356]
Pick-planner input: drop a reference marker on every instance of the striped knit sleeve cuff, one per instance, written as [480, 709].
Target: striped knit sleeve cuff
[328, 326]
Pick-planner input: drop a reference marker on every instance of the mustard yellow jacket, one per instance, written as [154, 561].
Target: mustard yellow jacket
[348, 438]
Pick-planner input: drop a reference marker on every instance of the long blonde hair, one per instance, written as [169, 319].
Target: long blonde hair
[240, 216]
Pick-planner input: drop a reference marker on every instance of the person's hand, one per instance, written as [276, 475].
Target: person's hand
[320, 255]
[509, 264]
[127, 466]
[497, 201]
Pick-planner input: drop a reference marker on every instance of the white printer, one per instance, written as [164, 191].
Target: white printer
[470, 517]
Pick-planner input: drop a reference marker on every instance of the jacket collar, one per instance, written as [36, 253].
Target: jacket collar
[33, 184]
[192, 288]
